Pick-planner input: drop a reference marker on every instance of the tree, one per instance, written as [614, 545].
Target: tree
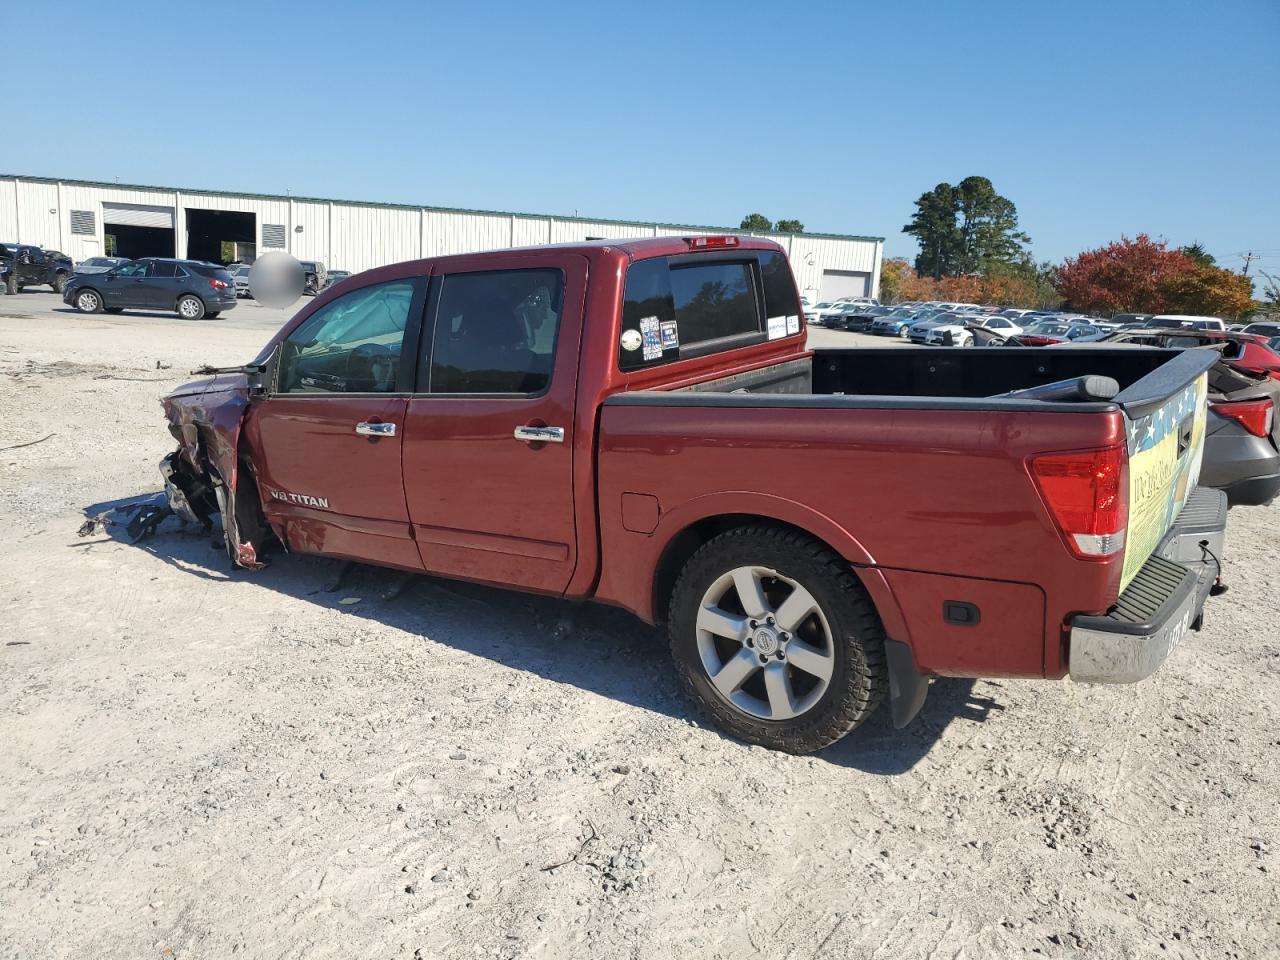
[1208, 291]
[789, 226]
[988, 226]
[1021, 284]
[894, 274]
[1271, 290]
[1126, 276]
[965, 229]
[756, 221]
[1199, 254]
[934, 227]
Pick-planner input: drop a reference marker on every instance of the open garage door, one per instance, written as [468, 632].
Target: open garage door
[844, 283]
[220, 236]
[136, 230]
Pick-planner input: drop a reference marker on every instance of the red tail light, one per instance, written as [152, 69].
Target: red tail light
[707, 243]
[1088, 497]
[1256, 416]
[218, 284]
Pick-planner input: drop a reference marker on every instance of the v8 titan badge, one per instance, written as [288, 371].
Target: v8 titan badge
[631, 340]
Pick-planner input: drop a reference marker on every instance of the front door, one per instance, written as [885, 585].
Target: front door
[126, 286]
[327, 437]
[489, 436]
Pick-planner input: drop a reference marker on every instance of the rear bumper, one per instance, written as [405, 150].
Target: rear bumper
[1164, 601]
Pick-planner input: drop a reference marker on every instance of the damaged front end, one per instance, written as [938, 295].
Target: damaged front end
[203, 476]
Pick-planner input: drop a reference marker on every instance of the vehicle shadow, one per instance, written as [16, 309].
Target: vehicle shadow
[595, 647]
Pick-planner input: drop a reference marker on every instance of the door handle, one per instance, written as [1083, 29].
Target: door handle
[367, 428]
[540, 434]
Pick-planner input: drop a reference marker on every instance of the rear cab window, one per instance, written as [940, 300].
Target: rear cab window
[691, 305]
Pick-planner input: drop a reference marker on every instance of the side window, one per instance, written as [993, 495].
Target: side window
[495, 332]
[138, 269]
[351, 345]
[180, 271]
[162, 269]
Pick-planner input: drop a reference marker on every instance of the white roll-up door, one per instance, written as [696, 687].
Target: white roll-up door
[844, 283]
[137, 215]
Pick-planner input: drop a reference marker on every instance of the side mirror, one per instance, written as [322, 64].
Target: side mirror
[265, 381]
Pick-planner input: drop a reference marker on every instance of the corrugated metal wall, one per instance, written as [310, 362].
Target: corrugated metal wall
[357, 236]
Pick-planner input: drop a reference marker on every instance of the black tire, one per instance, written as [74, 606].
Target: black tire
[190, 307]
[89, 301]
[113, 309]
[858, 681]
[11, 285]
[20, 287]
[59, 283]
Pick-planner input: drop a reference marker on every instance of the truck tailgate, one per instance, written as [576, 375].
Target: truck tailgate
[1165, 415]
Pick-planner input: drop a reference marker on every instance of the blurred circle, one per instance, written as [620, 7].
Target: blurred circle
[276, 279]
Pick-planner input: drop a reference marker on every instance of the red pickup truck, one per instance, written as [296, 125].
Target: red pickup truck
[640, 423]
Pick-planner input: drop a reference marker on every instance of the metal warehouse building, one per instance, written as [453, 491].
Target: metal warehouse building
[85, 218]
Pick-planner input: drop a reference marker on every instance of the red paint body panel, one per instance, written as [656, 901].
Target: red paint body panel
[932, 491]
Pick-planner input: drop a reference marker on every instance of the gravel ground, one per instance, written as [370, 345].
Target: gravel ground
[199, 763]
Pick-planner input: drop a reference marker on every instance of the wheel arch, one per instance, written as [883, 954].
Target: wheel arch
[691, 533]
[190, 293]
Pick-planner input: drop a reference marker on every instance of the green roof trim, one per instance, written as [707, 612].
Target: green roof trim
[412, 206]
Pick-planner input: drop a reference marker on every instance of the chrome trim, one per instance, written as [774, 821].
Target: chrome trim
[368, 428]
[539, 434]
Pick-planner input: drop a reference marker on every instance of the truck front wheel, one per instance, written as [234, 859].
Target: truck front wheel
[776, 640]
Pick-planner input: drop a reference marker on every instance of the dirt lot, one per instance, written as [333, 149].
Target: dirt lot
[199, 764]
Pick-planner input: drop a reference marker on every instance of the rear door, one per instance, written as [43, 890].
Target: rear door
[159, 289]
[327, 438]
[489, 437]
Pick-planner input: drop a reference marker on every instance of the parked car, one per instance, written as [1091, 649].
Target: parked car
[858, 317]
[1249, 353]
[1044, 333]
[100, 264]
[314, 277]
[1263, 328]
[191, 288]
[817, 313]
[919, 330]
[1185, 321]
[30, 266]
[863, 321]
[240, 276]
[335, 276]
[961, 332]
[895, 325]
[793, 607]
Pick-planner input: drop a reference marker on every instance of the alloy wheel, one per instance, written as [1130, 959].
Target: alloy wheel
[765, 643]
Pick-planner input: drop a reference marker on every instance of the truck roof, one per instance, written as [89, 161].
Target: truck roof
[638, 248]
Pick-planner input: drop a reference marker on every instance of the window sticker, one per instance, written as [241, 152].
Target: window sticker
[652, 338]
[631, 340]
[777, 327]
[670, 335]
[793, 324]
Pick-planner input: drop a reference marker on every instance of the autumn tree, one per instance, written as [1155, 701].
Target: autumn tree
[895, 273]
[965, 229]
[1127, 276]
[756, 221]
[1208, 291]
[789, 226]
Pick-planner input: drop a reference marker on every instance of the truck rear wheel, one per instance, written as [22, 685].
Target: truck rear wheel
[59, 283]
[776, 640]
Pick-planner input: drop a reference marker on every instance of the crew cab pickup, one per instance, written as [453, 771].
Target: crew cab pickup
[640, 423]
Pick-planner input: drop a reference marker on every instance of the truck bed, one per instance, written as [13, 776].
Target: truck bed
[940, 377]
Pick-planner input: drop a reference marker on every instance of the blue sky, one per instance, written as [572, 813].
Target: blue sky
[1096, 119]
